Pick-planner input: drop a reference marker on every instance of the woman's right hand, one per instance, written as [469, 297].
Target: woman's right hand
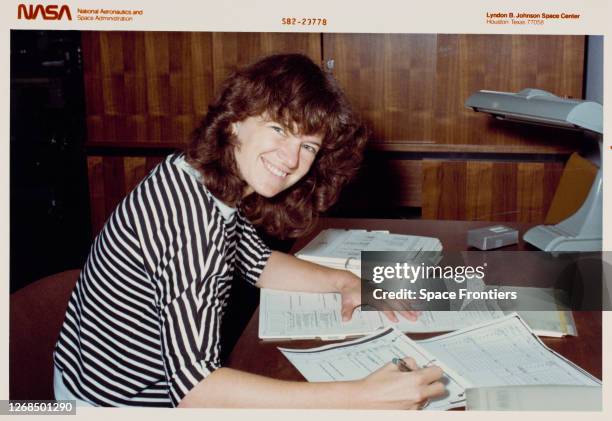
[390, 388]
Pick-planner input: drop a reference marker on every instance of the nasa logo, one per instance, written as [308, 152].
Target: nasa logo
[49, 12]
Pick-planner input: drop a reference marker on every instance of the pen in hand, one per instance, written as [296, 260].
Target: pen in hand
[401, 364]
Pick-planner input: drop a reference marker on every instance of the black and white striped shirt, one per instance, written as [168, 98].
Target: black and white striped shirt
[143, 323]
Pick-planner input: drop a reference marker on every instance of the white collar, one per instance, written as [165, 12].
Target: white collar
[226, 211]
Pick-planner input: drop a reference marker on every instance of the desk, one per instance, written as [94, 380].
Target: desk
[261, 357]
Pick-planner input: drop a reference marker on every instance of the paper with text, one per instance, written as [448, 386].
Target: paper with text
[501, 352]
[357, 359]
[504, 352]
[340, 248]
[299, 315]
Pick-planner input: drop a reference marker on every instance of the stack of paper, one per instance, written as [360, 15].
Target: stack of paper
[543, 310]
[341, 249]
[285, 315]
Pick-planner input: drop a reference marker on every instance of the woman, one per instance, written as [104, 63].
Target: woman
[142, 325]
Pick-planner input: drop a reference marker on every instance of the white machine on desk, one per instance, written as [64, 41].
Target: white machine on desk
[582, 230]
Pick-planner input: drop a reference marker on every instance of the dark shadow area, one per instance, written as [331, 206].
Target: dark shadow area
[49, 203]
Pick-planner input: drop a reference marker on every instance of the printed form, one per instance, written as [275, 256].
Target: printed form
[357, 359]
[293, 315]
[495, 353]
[299, 315]
[335, 246]
[504, 352]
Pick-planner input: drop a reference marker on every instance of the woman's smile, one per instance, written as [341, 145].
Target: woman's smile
[273, 169]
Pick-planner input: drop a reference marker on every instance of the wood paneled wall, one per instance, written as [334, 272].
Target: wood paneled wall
[111, 178]
[145, 86]
[153, 87]
[232, 50]
[411, 88]
[488, 191]
[390, 79]
[150, 89]
[467, 63]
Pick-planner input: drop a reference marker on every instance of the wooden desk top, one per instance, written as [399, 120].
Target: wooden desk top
[253, 355]
[452, 234]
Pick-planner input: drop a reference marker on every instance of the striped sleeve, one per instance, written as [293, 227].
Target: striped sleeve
[252, 253]
[176, 230]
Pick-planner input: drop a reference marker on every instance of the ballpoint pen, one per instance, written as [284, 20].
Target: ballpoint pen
[401, 364]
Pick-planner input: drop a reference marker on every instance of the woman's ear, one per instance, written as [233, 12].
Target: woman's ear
[235, 128]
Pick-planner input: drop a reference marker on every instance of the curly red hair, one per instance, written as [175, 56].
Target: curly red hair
[292, 90]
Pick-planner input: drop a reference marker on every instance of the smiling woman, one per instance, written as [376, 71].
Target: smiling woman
[143, 323]
[270, 110]
[271, 159]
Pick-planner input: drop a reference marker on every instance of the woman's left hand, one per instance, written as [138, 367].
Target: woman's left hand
[349, 287]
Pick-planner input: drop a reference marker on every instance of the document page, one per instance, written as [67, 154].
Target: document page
[337, 244]
[356, 359]
[298, 315]
[295, 315]
[504, 352]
